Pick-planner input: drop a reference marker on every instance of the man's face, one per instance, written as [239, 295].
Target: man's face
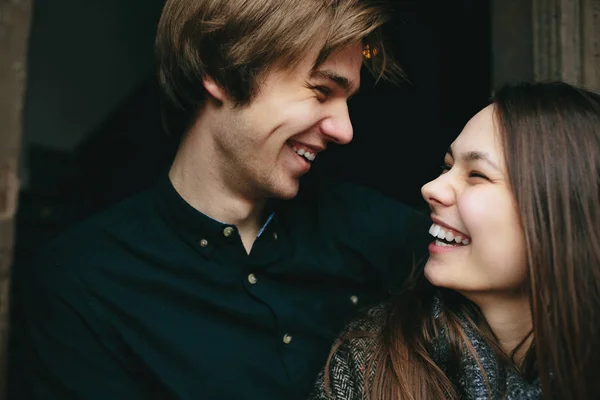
[264, 148]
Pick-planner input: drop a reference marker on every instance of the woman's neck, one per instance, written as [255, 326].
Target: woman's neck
[509, 317]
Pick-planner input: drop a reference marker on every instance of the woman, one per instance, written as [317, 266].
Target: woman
[508, 303]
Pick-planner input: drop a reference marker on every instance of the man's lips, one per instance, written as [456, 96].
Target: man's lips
[314, 149]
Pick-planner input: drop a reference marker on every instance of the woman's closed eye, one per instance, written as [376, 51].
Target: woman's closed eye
[475, 174]
[472, 174]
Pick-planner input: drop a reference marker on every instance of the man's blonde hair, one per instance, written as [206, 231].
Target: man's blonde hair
[236, 41]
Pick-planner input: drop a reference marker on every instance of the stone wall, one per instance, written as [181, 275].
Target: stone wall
[14, 30]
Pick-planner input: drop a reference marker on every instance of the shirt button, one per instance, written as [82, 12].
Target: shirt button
[252, 279]
[274, 235]
[203, 243]
[287, 339]
[354, 300]
[227, 231]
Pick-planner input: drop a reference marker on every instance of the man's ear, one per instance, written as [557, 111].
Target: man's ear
[214, 89]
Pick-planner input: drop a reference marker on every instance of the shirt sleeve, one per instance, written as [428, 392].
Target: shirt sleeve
[59, 348]
[389, 235]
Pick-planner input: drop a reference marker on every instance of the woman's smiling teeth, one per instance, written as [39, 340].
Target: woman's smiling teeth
[304, 153]
[445, 237]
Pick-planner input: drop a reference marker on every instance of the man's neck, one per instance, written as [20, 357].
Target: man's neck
[510, 320]
[195, 177]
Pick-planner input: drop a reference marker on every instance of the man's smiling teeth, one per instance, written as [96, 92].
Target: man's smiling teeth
[304, 153]
[441, 233]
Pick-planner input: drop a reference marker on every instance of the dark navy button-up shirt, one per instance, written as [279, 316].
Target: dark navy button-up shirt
[151, 299]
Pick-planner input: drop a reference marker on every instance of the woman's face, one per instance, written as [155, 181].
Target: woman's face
[480, 247]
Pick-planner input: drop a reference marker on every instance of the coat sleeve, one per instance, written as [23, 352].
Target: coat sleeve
[350, 370]
[391, 236]
[344, 382]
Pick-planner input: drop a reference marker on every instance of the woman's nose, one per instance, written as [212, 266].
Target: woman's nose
[438, 191]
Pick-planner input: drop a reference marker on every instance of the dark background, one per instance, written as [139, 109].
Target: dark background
[401, 133]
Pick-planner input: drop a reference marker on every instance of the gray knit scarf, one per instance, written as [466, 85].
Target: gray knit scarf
[504, 381]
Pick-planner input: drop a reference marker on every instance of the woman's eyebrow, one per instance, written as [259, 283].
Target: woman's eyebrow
[476, 156]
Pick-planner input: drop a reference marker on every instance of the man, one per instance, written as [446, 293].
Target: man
[225, 281]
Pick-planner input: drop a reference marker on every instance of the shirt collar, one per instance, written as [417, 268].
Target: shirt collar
[198, 229]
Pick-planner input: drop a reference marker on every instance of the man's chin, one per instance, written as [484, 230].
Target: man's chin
[287, 190]
[287, 194]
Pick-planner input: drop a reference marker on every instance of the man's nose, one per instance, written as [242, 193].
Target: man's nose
[338, 127]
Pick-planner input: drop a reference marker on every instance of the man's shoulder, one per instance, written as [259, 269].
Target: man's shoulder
[357, 208]
[327, 185]
[125, 215]
[341, 196]
[93, 237]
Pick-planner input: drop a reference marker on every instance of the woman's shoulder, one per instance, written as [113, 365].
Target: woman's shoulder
[369, 319]
[358, 341]
[352, 358]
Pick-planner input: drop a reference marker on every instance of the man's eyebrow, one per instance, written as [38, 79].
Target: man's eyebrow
[336, 78]
[475, 156]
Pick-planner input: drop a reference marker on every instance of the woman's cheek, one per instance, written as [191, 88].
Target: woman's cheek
[474, 208]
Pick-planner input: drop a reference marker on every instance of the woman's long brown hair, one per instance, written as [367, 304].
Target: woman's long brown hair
[551, 139]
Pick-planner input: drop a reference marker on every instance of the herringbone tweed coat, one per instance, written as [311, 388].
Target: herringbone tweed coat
[349, 362]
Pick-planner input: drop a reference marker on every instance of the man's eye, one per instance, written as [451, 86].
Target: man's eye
[445, 168]
[323, 91]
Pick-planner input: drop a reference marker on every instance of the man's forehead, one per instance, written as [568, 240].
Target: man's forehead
[342, 67]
